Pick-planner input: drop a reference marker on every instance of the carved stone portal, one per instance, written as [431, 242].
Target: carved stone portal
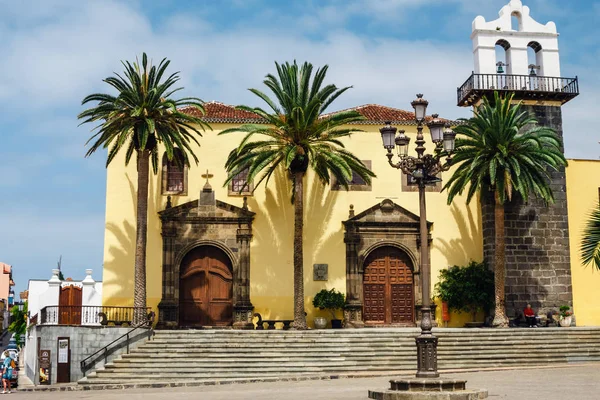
[384, 225]
[206, 222]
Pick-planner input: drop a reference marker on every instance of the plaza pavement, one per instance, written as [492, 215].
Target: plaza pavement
[578, 382]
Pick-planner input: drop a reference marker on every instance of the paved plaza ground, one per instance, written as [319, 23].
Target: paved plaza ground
[564, 383]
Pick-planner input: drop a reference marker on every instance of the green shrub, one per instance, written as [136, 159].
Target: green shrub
[330, 300]
[564, 311]
[469, 288]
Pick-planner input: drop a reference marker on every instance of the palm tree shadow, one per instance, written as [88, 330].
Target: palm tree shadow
[318, 209]
[117, 281]
[274, 235]
[462, 249]
[273, 238]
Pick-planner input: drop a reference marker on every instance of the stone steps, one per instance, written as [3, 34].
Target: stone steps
[353, 352]
[217, 362]
[211, 355]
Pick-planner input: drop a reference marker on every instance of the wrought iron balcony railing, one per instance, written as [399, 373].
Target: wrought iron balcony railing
[89, 315]
[525, 87]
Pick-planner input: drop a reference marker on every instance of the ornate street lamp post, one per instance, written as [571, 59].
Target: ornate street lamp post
[423, 169]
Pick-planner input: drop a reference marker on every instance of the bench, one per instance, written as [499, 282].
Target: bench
[521, 322]
[105, 321]
[271, 323]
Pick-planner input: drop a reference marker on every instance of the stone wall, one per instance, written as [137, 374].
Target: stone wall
[538, 268]
[84, 341]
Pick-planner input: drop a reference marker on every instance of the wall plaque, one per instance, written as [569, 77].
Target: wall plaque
[320, 272]
[63, 351]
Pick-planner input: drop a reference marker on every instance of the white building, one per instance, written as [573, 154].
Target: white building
[65, 302]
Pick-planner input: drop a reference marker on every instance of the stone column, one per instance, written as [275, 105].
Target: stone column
[168, 308]
[243, 308]
[353, 309]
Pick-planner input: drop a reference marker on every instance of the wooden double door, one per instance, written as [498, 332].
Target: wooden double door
[388, 289]
[69, 305]
[206, 288]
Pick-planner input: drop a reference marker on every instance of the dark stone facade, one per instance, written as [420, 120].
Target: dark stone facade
[206, 222]
[538, 268]
[384, 224]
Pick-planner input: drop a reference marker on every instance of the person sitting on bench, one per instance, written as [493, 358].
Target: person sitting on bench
[530, 316]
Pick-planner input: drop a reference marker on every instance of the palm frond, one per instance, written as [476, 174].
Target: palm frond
[143, 114]
[503, 147]
[590, 241]
[297, 136]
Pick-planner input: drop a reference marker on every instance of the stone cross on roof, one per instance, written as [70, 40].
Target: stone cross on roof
[207, 187]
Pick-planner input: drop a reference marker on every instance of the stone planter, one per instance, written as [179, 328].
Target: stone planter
[320, 322]
[566, 321]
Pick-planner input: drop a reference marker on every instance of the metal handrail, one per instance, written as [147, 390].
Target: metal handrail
[88, 315]
[147, 324]
[523, 83]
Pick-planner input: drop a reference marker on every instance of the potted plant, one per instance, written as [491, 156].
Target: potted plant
[330, 300]
[469, 289]
[566, 316]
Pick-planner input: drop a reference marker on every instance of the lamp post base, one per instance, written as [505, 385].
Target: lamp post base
[425, 389]
[427, 356]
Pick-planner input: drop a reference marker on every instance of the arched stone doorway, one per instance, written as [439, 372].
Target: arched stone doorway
[227, 231]
[206, 288]
[388, 288]
[384, 228]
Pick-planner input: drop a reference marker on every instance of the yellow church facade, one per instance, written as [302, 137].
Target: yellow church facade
[215, 256]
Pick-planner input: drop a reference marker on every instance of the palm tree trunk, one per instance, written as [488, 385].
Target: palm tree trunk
[500, 318]
[139, 292]
[299, 317]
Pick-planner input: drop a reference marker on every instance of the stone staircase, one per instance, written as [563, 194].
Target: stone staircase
[220, 355]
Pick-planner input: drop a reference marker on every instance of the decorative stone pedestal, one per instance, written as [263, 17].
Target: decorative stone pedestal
[242, 316]
[428, 389]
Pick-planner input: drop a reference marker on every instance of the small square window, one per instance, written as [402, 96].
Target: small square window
[174, 178]
[239, 185]
[174, 175]
[357, 184]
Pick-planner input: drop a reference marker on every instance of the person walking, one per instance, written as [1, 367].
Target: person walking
[7, 370]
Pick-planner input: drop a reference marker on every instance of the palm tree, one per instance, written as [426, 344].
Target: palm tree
[502, 150]
[298, 136]
[140, 117]
[590, 243]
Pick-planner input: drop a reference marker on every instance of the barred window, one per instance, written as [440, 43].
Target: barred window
[357, 184]
[174, 174]
[357, 180]
[239, 185]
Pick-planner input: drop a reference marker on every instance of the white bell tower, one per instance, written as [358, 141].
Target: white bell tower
[515, 54]
[515, 31]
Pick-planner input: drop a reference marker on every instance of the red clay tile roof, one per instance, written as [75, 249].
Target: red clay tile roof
[223, 113]
[375, 114]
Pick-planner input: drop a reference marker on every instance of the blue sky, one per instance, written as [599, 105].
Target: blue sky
[54, 52]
